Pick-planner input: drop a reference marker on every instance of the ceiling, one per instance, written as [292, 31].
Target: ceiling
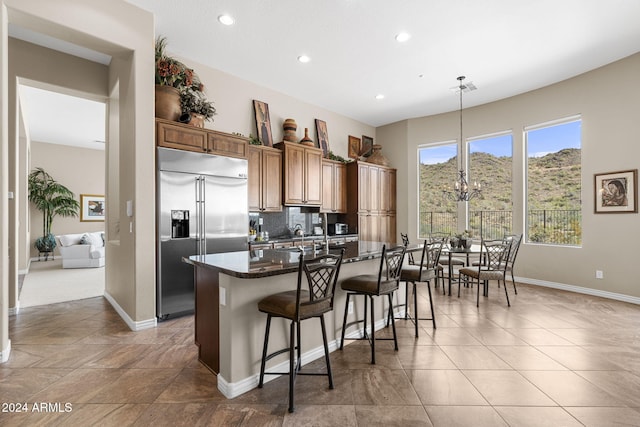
[503, 47]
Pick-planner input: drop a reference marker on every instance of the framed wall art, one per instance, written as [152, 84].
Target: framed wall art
[263, 123]
[354, 147]
[366, 149]
[91, 207]
[323, 136]
[616, 192]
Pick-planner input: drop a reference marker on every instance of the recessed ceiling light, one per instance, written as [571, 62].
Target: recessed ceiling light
[226, 19]
[379, 96]
[304, 59]
[403, 37]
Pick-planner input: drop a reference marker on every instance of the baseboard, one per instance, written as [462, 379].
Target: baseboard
[4, 354]
[14, 310]
[580, 290]
[133, 325]
[231, 390]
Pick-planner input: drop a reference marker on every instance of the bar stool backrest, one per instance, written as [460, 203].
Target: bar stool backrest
[430, 255]
[392, 258]
[322, 276]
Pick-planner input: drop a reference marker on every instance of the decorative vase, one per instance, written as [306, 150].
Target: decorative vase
[290, 127]
[306, 140]
[168, 103]
[196, 120]
[377, 157]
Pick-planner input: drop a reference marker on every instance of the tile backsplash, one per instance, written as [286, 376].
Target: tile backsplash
[283, 224]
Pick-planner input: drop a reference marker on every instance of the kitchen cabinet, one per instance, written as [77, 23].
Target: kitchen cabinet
[302, 174]
[372, 201]
[265, 179]
[334, 187]
[190, 138]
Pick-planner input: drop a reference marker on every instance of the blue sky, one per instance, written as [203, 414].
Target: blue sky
[540, 142]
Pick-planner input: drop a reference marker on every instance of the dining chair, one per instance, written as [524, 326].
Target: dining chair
[516, 239]
[424, 272]
[495, 253]
[321, 275]
[405, 242]
[385, 282]
[450, 262]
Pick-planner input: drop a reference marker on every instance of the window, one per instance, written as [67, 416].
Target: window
[554, 206]
[491, 165]
[437, 170]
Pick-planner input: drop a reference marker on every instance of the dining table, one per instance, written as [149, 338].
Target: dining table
[450, 252]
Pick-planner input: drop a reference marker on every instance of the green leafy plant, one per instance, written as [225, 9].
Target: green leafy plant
[253, 140]
[194, 101]
[52, 199]
[336, 157]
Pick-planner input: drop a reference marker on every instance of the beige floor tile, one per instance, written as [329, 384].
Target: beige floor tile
[577, 358]
[526, 358]
[18, 385]
[596, 417]
[569, 389]
[172, 414]
[521, 416]
[453, 336]
[136, 386]
[385, 416]
[464, 416]
[382, 387]
[623, 385]
[495, 336]
[424, 357]
[503, 388]
[78, 386]
[227, 415]
[321, 416]
[474, 357]
[445, 387]
[536, 337]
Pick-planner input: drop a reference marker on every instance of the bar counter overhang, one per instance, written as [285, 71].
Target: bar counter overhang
[229, 329]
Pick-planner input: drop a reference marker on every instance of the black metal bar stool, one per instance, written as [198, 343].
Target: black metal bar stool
[373, 285]
[424, 272]
[301, 304]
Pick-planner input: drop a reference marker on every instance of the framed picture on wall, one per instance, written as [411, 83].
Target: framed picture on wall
[366, 149]
[323, 136]
[616, 192]
[92, 207]
[263, 123]
[354, 147]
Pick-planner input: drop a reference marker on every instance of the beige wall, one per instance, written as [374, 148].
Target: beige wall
[81, 170]
[233, 98]
[609, 110]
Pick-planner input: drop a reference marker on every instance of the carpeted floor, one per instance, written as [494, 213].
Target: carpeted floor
[48, 283]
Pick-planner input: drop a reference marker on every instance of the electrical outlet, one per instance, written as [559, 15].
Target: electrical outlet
[599, 274]
[350, 310]
[223, 296]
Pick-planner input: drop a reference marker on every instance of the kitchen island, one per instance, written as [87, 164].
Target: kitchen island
[229, 329]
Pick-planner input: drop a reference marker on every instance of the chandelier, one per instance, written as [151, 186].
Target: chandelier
[462, 191]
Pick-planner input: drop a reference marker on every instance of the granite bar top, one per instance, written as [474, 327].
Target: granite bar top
[306, 238]
[258, 263]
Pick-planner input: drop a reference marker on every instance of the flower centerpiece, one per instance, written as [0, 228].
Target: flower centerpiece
[172, 77]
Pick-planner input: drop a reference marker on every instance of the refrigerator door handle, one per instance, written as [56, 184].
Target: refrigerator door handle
[203, 207]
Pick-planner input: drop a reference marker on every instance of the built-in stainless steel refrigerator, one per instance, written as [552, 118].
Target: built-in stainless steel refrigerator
[202, 208]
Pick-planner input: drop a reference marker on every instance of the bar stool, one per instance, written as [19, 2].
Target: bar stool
[373, 285]
[425, 272]
[322, 275]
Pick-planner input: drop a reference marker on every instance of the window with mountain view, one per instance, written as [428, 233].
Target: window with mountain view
[491, 165]
[437, 170]
[554, 205]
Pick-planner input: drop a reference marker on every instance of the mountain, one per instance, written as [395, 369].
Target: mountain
[553, 182]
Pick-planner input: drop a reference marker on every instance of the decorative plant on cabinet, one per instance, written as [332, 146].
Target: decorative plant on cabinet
[52, 199]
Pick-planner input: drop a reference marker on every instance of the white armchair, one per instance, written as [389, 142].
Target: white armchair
[84, 250]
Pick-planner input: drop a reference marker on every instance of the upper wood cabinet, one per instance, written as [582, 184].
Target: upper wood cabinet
[334, 187]
[302, 174]
[186, 137]
[265, 179]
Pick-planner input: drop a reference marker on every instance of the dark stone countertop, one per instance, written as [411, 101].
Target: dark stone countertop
[306, 238]
[258, 263]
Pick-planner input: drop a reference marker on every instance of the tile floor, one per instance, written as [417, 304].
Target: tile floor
[553, 359]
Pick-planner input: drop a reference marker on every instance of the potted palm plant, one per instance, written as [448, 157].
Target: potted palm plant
[52, 199]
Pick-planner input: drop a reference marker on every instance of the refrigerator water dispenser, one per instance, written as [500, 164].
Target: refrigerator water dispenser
[179, 224]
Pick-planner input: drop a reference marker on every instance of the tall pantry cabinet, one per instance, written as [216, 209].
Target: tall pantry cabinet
[373, 211]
